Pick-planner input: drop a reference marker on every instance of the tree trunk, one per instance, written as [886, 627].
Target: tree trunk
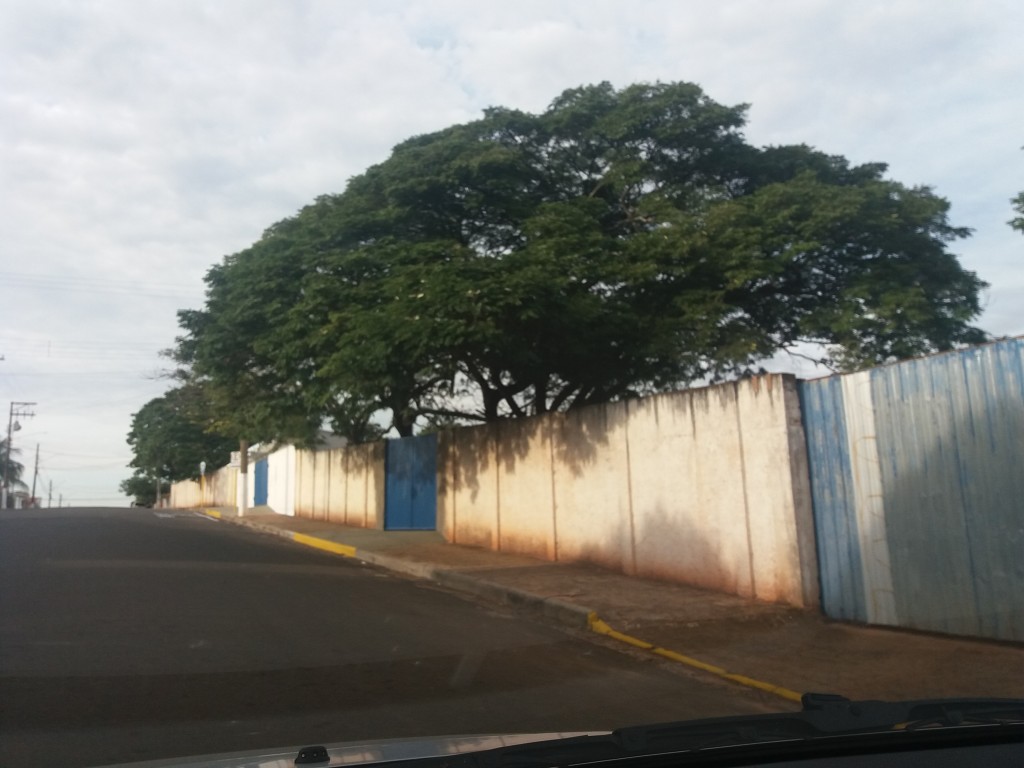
[243, 477]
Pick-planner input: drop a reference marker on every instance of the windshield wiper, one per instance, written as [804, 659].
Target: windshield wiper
[824, 717]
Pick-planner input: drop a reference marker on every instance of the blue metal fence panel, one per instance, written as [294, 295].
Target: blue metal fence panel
[868, 507]
[260, 482]
[951, 438]
[918, 491]
[839, 558]
[410, 485]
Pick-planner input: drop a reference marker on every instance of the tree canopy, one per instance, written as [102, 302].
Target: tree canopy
[1017, 222]
[169, 438]
[620, 242]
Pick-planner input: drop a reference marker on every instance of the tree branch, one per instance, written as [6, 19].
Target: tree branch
[562, 396]
[453, 414]
[516, 408]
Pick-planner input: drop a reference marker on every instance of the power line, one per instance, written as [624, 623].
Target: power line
[91, 467]
[41, 374]
[47, 451]
[9, 337]
[98, 285]
[48, 349]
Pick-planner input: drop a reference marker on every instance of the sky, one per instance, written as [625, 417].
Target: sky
[141, 142]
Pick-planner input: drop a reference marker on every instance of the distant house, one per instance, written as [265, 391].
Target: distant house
[20, 499]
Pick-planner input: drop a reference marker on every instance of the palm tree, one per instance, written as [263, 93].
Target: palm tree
[15, 469]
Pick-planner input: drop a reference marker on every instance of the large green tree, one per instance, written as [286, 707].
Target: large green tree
[620, 242]
[170, 435]
[230, 350]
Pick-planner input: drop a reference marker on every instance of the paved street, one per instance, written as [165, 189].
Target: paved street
[135, 634]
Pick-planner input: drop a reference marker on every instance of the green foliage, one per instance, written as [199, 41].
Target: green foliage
[618, 243]
[141, 486]
[169, 439]
[15, 469]
[230, 348]
[1017, 222]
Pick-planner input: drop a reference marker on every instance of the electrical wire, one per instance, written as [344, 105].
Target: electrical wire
[98, 285]
[42, 374]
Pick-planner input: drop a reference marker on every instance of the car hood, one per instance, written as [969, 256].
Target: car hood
[354, 753]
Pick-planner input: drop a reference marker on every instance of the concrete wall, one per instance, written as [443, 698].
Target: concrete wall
[281, 480]
[185, 495]
[707, 487]
[217, 490]
[343, 485]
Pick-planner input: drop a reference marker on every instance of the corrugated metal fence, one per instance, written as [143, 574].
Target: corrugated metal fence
[917, 478]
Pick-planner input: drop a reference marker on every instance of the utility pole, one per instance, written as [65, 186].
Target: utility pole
[35, 476]
[60, 501]
[49, 498]
[21, 410]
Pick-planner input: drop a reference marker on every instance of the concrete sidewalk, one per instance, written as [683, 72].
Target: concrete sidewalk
[781, 650]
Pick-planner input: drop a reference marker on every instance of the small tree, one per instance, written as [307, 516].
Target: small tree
[169, 437]
[141, 486]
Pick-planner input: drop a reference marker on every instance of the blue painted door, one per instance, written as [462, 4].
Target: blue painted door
[410, 488]
[260, 483]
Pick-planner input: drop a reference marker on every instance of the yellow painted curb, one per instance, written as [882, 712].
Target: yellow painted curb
[324, 544]
[596, 624]
[212, 513]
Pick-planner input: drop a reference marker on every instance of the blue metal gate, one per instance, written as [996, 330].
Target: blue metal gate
[410, 486]
[260, 484]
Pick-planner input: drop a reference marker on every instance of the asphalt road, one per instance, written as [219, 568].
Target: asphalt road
[127, 635]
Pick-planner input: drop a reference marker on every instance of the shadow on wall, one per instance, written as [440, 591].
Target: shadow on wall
[665, 549]
[670, 549]
[468, 452]
[577, 436]
[472, 451]
[343, 485]
[359, 458]
[580, 434]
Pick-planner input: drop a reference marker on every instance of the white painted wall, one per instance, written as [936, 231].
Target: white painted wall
[706, 487]
[281, 480]
[363, 502]
[343, 485]
[217, 490]
[469, 503]
[304, 483]
[593, 521]
[518, 473]
[688, 494]
[525, 486]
